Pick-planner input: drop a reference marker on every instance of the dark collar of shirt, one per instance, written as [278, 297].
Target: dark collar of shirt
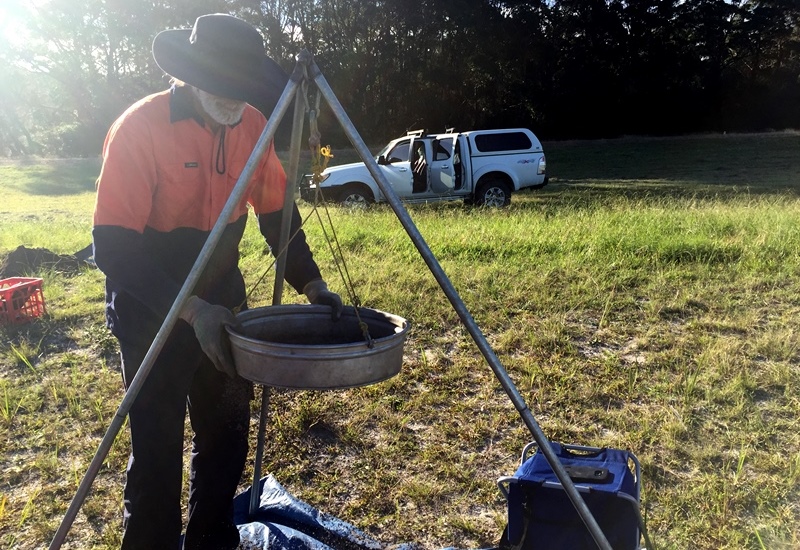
[181, 107]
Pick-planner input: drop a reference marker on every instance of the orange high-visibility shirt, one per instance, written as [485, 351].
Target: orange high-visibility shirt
[164, 169]
[165, 179]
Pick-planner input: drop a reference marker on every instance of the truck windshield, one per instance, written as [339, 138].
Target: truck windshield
[396, 152]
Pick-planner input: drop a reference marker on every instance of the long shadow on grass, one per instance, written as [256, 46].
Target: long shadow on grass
[595, 193]
[750, 160]
[57, 177]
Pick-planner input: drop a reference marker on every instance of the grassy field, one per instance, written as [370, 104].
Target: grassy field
[647, 299]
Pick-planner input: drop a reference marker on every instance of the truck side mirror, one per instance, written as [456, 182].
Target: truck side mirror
[382, 160]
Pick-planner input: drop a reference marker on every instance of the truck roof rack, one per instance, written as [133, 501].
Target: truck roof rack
[415, 133]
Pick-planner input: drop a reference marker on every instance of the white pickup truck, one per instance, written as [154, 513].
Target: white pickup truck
[482, 167]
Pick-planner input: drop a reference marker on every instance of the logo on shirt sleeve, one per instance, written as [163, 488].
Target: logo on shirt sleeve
[190, 164]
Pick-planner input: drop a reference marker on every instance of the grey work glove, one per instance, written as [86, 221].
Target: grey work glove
[317, 293]
[209, 322]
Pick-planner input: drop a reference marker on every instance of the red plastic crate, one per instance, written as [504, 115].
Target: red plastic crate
[21, 300]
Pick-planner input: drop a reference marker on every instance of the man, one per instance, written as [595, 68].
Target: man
[169, 164]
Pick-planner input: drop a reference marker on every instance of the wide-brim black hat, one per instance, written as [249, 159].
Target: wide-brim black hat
[222, 55]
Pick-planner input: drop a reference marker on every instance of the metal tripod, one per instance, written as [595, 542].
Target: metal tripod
[306, 70]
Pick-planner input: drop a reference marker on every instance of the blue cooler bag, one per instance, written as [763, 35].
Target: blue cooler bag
[540, 514]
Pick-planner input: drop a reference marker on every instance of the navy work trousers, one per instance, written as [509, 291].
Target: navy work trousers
[219, 414]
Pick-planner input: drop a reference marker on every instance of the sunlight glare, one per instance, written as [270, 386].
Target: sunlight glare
[14, 31]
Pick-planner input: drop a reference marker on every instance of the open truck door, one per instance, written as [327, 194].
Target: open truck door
[442, 172]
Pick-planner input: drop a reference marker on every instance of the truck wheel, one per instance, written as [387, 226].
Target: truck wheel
[494, 193]
[356, 195]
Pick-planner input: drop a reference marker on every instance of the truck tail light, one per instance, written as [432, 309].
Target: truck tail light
[542, 166]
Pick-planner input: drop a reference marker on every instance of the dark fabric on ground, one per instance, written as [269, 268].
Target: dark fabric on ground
[287, 523]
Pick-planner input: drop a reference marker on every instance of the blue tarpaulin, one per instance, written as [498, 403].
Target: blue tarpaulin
[287, 523]
[283, 521]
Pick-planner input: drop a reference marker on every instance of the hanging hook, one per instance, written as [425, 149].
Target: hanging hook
[365, 331]
[319, 161]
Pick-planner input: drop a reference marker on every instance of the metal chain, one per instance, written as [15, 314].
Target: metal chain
[320, 156]
[238, 308]
[341, 266]
[319, 161]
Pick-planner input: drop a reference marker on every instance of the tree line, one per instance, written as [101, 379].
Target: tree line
[564, 68]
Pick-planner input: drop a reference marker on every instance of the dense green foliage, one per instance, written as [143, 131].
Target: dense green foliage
[565, 68]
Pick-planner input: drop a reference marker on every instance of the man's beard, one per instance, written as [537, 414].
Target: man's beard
[221, 110]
